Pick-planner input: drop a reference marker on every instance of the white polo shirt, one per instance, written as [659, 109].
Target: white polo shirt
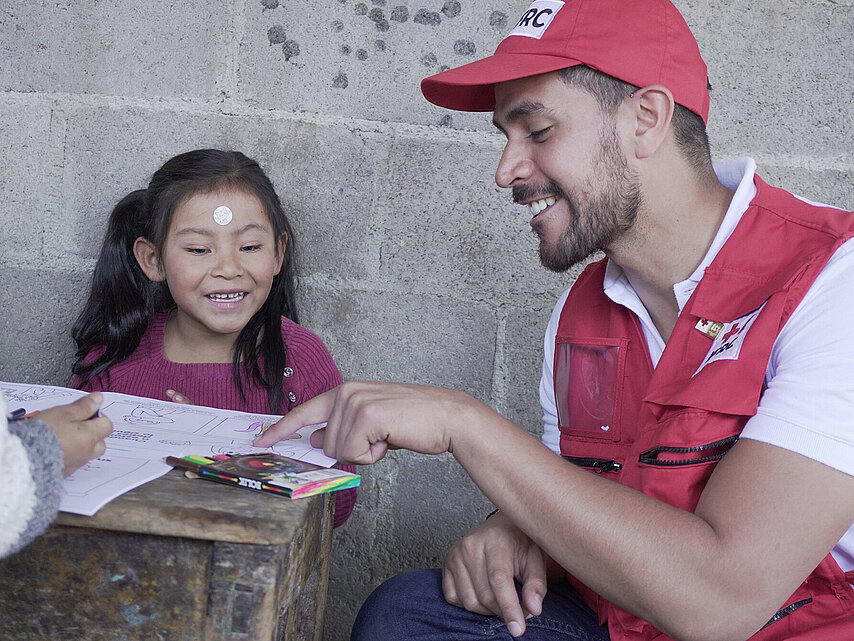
[808, 406]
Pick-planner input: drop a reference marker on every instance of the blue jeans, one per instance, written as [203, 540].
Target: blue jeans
[411, 607]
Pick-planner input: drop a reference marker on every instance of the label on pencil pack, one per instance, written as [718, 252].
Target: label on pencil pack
[272, 473]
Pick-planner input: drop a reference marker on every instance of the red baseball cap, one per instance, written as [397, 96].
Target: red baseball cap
[642, 42]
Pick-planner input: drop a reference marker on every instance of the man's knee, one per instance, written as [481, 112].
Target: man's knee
[399, 605]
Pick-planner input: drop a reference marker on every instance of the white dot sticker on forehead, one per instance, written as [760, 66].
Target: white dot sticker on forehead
[222, 215]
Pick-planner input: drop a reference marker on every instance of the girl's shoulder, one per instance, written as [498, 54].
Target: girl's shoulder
[308, 356]
[295, 336]
[150, 348]
[151, 342]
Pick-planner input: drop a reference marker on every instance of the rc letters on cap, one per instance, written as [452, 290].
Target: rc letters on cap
[537, 18]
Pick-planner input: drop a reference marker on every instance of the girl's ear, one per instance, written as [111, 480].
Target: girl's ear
[281, 248]
[146, 255]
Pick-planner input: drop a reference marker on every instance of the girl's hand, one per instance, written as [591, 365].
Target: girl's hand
[177, 397]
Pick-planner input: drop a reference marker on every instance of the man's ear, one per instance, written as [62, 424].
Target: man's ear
[653, 110]
[146, 255]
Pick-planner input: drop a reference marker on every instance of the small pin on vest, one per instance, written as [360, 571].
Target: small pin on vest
[709, 328]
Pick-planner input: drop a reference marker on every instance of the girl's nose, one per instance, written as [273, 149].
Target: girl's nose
[228, 265]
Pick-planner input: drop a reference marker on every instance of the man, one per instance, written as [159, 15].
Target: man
[697, 382]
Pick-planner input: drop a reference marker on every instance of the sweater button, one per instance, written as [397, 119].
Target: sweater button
[292, 397]
[288, 372]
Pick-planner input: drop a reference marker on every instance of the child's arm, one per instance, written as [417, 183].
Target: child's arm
[32, 454]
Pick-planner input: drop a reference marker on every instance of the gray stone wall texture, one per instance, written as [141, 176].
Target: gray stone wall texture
[415, 267]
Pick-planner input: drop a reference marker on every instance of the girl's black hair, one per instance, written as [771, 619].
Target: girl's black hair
[122, 299]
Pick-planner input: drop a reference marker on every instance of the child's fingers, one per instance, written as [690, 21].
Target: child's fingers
[79, 410]
[177, 397]
[85, 408]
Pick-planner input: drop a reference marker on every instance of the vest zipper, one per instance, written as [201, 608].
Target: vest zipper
[688, 455]
[598, 465]
[787, 611]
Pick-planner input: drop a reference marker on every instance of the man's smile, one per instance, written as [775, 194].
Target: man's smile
[537, 206]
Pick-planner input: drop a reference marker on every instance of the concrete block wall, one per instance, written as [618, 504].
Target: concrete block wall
[414, 265]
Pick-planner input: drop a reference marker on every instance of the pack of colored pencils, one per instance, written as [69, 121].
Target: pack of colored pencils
[268, 472]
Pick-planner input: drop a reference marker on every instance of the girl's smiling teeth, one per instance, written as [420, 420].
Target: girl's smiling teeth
[231, 297]
[537, 206]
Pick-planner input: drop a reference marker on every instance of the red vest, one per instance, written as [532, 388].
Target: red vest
[663, 430]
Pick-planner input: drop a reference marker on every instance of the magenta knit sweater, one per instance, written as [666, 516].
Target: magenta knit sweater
[146, 372]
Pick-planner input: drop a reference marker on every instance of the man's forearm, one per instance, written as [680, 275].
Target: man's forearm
[681, 571]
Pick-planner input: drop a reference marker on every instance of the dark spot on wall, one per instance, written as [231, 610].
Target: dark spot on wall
[464, 48]
[276, 34]
[429, 60]
[337, 26]
[432, 18]
[379, 3]
[380, 45]
[361, 54]
[443, 68]
[451, 9]
[345, 49]
[269, 4]
[340, 81]
[361, 9]
[400, 14]
[498, 20]
[377, 16]
[291, 49]
[446, 121]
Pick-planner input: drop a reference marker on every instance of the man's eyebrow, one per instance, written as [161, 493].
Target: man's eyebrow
[524, 108]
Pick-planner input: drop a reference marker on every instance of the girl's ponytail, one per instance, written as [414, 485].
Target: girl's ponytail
[120, 298]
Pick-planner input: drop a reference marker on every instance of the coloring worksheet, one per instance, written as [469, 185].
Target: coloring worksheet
[145, 431]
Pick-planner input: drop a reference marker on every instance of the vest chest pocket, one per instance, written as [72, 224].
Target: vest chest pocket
[587, 378]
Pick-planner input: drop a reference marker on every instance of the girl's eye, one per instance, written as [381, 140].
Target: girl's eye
[539, 134]
[251, 248]
[198, 251]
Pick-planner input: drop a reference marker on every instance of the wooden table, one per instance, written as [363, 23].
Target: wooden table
[176, 559]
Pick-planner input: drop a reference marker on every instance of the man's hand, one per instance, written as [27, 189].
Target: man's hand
[363, 420]
[80, 435]
[480, 571]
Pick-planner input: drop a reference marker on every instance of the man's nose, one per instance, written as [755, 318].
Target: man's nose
[514, 165]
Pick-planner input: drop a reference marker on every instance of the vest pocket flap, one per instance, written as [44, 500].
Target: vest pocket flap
[725, 397]
[724, 373]
[744, 294]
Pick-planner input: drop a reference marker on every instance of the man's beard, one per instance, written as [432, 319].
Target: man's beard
[595, 222]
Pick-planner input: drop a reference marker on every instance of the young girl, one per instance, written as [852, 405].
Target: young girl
[193, 299]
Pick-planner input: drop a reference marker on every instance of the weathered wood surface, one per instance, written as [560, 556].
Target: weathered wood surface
[175, 560]
[177, 506]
